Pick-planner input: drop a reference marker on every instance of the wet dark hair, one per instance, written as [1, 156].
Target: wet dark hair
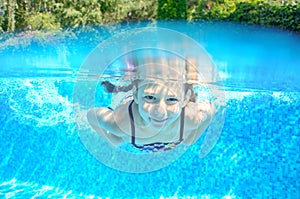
[133, 64]
[111, 88]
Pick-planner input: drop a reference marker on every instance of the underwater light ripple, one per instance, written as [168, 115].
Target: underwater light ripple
[16, 189]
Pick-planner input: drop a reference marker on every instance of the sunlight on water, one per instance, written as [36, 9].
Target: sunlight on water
[16, 189]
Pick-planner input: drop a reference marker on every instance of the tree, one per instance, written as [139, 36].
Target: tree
[11, 12]
[172, 9]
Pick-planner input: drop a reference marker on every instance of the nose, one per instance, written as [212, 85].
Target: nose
[160, 110]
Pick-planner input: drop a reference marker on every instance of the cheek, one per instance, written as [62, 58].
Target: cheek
[174, 109]
[145, 107]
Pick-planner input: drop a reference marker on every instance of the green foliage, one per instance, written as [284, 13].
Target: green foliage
[274, 13]
[128, 10]
[140, 10]
[172, 9]
[10, 13]
[78, 13]
[285, 16]
[47, 14]
[57, 14]
[43, 21]
[2, 24]
[216, 10]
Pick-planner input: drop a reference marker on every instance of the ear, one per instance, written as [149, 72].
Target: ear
[135, 95]
[187, 97]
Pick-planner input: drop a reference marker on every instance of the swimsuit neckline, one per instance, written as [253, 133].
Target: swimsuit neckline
[157, 146]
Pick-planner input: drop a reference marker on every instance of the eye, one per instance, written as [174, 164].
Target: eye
[172, 100]
[149, 98]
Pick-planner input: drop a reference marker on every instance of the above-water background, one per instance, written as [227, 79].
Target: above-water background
[257, 155]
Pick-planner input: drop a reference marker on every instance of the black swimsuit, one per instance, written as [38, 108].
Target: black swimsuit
[157, 146]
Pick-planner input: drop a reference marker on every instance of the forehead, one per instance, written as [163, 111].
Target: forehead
[165, 66]
[163, 87]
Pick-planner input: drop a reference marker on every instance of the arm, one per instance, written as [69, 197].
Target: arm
[203, 113]
[102, 121]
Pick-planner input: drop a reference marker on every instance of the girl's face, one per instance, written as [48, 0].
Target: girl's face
[160, 104]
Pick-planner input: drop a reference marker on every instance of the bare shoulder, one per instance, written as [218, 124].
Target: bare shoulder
[114, 121]
[121, 117]
[197, 113]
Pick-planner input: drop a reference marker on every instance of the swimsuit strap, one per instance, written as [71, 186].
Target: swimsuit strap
[182, 116]
[133, 127]
[131, 123]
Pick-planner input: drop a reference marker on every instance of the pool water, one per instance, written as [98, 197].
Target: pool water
[257, 154]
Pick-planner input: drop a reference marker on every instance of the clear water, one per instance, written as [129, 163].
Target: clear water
[257, 155]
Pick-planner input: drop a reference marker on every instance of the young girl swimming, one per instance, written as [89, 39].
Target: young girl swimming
[163, 112]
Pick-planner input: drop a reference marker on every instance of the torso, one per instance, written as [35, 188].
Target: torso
[146, 135]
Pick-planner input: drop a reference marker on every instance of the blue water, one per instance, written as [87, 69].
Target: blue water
[257, 155]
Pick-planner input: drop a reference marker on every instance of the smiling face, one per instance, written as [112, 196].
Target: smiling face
[160, 104]
[160, 89]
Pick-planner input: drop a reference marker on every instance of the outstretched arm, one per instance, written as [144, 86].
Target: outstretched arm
[102, 121]
[203, 113]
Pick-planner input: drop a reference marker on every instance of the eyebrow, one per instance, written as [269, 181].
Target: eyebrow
[174, 96]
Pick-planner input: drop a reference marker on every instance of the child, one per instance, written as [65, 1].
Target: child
[163, 112]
